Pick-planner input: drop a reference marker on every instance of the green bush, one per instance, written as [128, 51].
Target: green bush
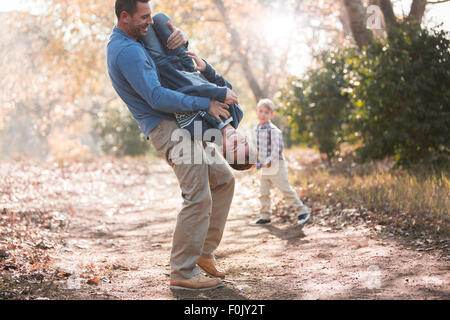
[120, 134]
[319, 106]
[393, 98]
[404, 97]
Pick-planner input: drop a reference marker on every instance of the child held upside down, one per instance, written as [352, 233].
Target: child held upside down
[178, 72]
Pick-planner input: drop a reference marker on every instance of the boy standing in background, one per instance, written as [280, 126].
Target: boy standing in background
[269, 144]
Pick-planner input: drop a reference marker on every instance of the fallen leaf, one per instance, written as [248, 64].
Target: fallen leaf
[93, 281]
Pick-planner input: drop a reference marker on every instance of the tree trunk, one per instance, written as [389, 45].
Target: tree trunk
[243, 58]
[358, 22]
[388, 12]
[417, 11]
[343, 18]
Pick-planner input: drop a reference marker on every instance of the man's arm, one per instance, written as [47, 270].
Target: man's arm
[143, 78]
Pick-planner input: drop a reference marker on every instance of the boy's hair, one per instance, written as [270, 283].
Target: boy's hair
[266, 103]
[129, 6]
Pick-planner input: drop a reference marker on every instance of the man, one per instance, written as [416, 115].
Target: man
[207, 189]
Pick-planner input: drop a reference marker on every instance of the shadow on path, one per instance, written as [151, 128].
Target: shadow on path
[223, 293]
[292, 233]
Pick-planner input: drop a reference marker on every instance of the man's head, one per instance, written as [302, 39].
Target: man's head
[134, 17]
[264, 110]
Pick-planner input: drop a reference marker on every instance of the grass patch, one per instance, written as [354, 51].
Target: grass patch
[415, 200]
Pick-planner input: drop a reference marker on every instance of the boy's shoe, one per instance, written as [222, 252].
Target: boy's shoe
[303, 216]
[199, 282]
[261, 222]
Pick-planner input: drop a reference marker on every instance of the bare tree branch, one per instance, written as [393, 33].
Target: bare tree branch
[243, 57]
[437, 2]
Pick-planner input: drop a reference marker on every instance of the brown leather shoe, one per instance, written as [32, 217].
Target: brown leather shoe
[199, 282]
[209, 267]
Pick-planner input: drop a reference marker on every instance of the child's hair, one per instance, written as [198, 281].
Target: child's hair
[266, 103]
[241, 167]
[248, 162]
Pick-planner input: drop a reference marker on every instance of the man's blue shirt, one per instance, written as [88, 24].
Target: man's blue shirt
[135, 78]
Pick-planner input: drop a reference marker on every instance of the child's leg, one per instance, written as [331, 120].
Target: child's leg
[153, 45]
[264, 198]
[163, 31]
[281, 181]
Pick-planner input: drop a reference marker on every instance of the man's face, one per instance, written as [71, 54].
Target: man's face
[140, 20]
[264, 114]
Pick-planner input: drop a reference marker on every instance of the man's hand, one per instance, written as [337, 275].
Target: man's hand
[231, 97]
[200, 65]
[177, 38]
[218, 109]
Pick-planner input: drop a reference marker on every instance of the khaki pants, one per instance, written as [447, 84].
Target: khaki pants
[207, 190]
[276, 175]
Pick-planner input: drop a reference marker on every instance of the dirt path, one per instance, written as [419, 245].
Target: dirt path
[122, 216]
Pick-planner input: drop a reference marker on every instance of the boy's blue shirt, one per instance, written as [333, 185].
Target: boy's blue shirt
[135, 78]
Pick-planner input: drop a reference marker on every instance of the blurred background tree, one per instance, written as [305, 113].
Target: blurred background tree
[388, 99]
[119, 134]
[403, 97]
[56, 87]
[318, 106]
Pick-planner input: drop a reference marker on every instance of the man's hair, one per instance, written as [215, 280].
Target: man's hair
[129, 6]
[266, 103]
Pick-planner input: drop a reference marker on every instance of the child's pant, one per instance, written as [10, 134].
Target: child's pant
[276, 175]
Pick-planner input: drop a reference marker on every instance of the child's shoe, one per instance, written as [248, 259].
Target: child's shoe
[261, 222]
[303, 216]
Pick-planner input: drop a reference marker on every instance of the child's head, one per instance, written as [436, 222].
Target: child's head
[236, 150]
[264, 110]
